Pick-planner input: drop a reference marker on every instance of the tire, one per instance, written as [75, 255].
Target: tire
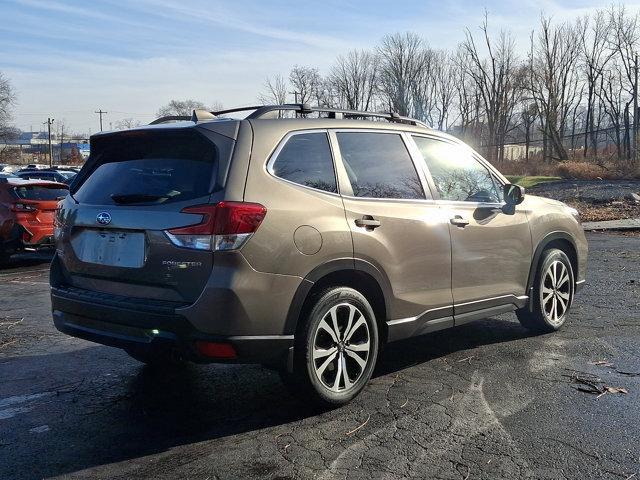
[4, 256]
[156, 358]
[553, 292]
[332, 367]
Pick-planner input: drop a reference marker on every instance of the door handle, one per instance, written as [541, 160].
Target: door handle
[459, 221]
[368, 222]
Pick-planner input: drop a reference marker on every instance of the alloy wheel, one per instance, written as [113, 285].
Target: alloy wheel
[556, 292]
[341, 347]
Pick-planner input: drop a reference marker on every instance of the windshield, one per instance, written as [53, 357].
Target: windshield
[40, 192]
[151, 167]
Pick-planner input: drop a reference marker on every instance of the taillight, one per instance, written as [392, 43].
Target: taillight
[23, 207]
[223, 226]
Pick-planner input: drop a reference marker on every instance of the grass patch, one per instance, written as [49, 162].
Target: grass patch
[530, 181]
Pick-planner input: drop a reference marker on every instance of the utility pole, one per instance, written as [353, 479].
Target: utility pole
[49, 122]
[100, 112]
[61, 140]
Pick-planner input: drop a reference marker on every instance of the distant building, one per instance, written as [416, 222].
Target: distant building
[38, 143]
[514, 152]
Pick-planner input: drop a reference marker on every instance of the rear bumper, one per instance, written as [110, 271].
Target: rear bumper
[37, 235]
[155, 327]
[23, 238]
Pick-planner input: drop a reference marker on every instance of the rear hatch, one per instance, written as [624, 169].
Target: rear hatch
[133, 190]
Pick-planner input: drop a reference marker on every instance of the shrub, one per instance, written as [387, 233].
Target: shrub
[582, 170]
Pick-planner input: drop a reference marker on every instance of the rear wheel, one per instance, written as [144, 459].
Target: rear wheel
[336, 348]
[552, 293]
[4, 257]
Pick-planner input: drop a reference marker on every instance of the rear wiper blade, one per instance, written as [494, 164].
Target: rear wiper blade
[126, 198]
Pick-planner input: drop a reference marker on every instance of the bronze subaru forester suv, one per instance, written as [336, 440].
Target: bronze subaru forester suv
[303, 244]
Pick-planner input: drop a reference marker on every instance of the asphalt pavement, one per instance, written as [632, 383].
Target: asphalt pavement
[485, 400]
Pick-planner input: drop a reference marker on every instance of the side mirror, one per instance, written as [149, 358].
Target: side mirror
[513, 194]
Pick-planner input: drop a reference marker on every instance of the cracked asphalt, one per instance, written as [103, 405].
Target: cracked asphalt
[483, 401]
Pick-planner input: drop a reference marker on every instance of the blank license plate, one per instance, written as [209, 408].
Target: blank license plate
[113, 248]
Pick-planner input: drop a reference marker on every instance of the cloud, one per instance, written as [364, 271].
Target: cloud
[66, 59]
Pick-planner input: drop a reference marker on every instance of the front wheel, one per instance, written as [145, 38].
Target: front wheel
[552, 293]
[336, 348]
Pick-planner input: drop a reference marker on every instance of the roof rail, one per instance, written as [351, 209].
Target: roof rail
[261, 111]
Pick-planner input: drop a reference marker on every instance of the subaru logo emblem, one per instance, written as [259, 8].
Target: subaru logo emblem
[103, 218]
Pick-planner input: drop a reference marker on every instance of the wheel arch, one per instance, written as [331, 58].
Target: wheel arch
[345, 272]
[560, 240]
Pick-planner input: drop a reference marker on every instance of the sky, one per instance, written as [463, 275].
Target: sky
[66, 59]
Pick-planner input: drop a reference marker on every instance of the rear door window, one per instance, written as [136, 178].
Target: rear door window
[306, 159]
[379, 165]
[150, 168]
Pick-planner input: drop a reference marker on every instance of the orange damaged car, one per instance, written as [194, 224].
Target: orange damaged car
[27, 210]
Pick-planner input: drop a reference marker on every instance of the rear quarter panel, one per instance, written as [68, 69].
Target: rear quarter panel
[303, 227]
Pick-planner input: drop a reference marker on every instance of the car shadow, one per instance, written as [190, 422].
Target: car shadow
[412, 351]
[27, 259]
[103, 407]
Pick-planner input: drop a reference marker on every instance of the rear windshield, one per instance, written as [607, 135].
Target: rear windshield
[150, 168]
[40, 192]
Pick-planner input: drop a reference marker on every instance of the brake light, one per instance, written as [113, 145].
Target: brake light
[223, 226]
[22, 207]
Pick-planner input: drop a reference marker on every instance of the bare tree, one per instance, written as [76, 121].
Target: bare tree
[445, 72]
[306, 82]
[354, 80]
[611, 94]
[595, 56]
[496, 79]
[216, 106]
[528, 116]
[624, 40]
[467, 97]
[181, 107]
[7, 101]
[275, 91]
[401, 58]
[554, 80]
[127, 123]
[423, 91]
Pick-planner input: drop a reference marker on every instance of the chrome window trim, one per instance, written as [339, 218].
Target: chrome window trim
[393, 200]
[268, 166]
